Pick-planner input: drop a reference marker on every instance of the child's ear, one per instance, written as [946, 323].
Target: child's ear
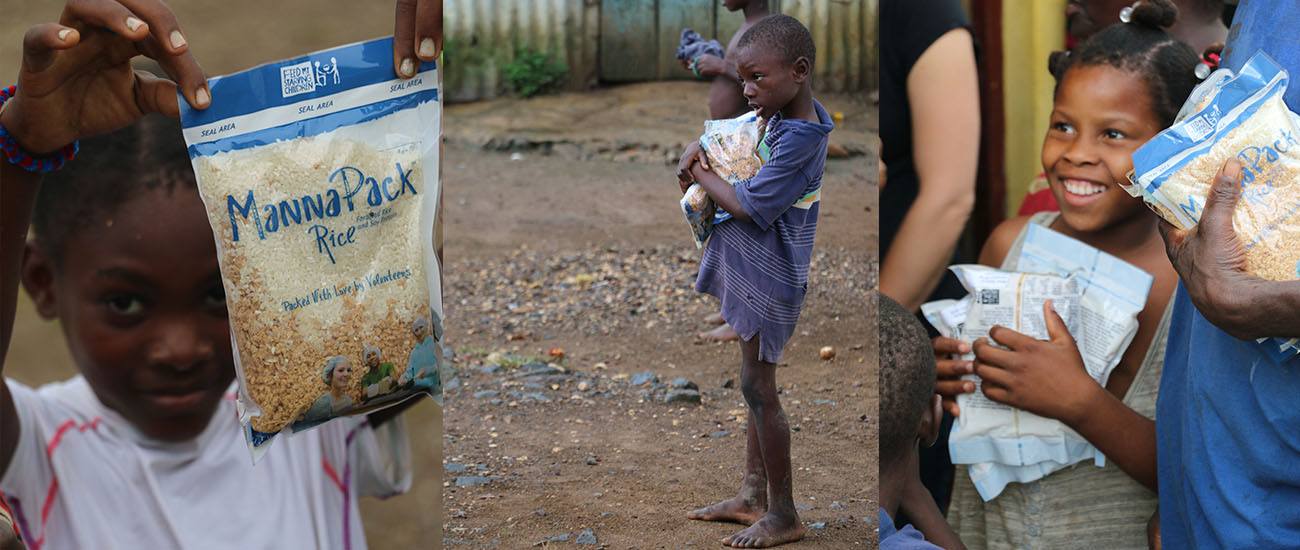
[802, 70]
[38, 281]
[928, 429]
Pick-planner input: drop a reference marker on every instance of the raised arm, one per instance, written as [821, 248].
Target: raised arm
[943, 91]
[75, 82]
[17, 196]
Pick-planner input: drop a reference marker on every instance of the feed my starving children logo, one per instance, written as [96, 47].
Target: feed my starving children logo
[305, 77]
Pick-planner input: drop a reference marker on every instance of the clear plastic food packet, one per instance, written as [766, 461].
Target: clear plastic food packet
[320, 175]
[733, 148]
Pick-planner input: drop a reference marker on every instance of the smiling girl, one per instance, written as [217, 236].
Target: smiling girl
[1119, 89]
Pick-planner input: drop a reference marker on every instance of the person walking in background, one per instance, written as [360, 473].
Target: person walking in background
[929, 130]
[726, 100]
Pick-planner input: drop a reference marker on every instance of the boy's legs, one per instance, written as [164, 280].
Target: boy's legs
[780, 524]
[749, 504]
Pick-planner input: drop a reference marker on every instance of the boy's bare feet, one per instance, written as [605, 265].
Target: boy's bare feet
[770, 530]
[724, 333]
[715, 319]
[734, 510]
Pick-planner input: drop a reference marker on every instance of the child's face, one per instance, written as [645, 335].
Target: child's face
[1100, 116]
[142, 308]
[770, 82]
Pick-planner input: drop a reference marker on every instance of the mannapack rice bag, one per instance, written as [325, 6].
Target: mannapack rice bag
[320, 175]
[735, 151]
[1242, 116]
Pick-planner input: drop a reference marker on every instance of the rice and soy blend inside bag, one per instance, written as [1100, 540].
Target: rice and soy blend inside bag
[1240, 116]
[733, 148]
[320, 176]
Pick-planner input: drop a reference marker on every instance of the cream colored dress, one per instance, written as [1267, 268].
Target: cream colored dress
[1081, 506]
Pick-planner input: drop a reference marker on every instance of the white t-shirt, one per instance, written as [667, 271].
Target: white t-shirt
[83, 477]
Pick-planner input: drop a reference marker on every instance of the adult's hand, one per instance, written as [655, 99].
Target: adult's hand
[417, 35]
[1211, 262]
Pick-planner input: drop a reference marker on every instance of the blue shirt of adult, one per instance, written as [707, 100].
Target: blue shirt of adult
[1228, 415]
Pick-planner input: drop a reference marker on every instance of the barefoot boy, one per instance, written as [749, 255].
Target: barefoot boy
[757, 262]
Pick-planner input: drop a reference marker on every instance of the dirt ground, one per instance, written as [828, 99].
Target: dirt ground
[591, 257]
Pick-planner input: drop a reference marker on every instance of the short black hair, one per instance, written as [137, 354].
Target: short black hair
[906, 377]
[109, 170]
[782, 34]
[1142, 47]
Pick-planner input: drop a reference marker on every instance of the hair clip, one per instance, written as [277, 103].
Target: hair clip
[1126, 14]
[1209, 62]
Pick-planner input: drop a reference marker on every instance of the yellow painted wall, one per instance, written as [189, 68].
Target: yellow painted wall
[1031, 30]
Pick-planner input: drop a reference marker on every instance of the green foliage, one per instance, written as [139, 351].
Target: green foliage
[532, 73]
[513, 361]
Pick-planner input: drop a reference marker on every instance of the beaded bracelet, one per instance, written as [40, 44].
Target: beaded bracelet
[22, 159]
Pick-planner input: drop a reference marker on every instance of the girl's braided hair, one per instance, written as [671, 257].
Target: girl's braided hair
[1141, 47]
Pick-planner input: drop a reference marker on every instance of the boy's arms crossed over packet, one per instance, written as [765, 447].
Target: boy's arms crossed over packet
[781, 183]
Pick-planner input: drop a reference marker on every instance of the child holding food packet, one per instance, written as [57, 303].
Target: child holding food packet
[1115, 92]
[143, 448]
[756, 263]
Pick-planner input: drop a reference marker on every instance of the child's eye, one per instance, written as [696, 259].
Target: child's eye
[1062, 127]
[124, 304]
[1114, 134]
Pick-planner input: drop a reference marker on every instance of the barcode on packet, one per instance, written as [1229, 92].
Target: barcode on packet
[989, 296]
